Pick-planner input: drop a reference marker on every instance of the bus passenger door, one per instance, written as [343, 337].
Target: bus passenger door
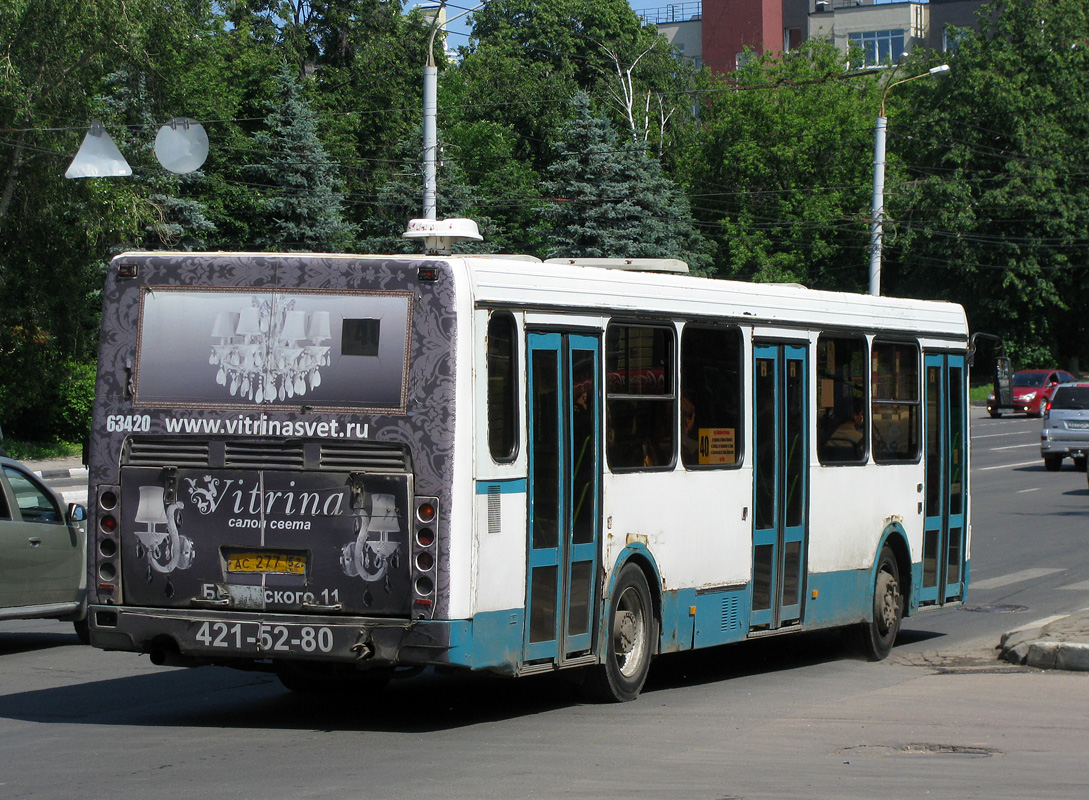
[944, 526]
[780, 485]
[564, 470]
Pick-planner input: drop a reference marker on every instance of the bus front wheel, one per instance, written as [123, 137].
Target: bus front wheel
[879, 634]
[630, 634]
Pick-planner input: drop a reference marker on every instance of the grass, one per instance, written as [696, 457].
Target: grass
[978, 394]
[39, 451]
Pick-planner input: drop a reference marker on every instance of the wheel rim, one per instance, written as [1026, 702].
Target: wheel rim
[887, 602]
[629, 632]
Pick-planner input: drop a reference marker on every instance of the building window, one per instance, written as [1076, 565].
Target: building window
[951, 37]
[878, 47]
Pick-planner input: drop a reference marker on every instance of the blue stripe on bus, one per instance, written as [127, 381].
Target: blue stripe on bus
[493, 640]
[511, 486]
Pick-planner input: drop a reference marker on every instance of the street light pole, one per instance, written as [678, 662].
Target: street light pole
[876, 222]
[430, 112]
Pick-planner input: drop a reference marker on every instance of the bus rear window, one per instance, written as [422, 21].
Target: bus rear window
[261, 348]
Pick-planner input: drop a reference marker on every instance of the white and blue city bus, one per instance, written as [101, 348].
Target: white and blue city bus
[333, 466]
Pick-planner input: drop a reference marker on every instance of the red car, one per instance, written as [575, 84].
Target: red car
[1032, 389]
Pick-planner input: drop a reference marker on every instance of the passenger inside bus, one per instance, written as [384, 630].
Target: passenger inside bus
[847, 442]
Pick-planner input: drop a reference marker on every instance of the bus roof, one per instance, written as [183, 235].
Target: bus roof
[519, 282]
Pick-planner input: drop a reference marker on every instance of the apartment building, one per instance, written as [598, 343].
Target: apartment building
[717, 32]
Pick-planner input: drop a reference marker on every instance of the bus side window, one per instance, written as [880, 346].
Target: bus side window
[502, 388]
[640, 416]
[842, 427]
[895, 402]
[710, 396]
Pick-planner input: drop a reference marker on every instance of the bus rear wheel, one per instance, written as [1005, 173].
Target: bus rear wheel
[879, 634]
[630, 643]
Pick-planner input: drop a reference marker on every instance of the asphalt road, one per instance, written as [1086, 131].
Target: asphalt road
[788, 717]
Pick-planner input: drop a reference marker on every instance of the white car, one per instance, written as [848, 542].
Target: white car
[1066, 426]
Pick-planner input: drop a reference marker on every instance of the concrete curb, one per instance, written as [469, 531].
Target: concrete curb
[61, 474]
[1049, 643]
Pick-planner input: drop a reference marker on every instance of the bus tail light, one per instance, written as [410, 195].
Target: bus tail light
[425, 556]
[107, 550]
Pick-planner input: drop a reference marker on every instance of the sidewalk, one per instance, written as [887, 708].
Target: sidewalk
[52, 469]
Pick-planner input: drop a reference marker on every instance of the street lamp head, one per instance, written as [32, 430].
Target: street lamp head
[942, 69]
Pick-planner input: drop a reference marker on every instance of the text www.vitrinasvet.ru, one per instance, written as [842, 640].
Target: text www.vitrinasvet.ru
[240, 426]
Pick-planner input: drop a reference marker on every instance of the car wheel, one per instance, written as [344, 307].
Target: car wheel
[1079, 463]
[1053, 463]
[995, 414]
[83, 630]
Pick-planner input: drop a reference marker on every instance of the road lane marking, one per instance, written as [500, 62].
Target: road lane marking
[1013, 447]
[1081, 586]
[1026, 491]
[1035, 463]
[1014, 577]
[996, 435]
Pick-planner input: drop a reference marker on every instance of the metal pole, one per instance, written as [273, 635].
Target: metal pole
[876, 230]
[430, 137]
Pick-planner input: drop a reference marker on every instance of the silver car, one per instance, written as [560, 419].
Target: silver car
[42, 550]
[1066, 426]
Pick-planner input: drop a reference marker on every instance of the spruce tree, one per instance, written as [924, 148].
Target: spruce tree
[304, 207]
[611, 199]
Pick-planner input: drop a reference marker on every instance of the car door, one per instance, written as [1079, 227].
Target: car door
[11, 549]
[42, 557]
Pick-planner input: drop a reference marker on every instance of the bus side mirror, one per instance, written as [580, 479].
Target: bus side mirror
[1003, 376]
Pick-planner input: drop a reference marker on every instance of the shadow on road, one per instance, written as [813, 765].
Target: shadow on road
[28, 642]
[212, 697]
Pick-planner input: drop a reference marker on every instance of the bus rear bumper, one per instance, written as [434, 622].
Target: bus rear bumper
[193, 637]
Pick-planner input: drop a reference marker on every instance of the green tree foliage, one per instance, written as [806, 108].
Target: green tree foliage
[361, 62]
[780, 169]
[54, 234]
[611, 198]
[400, 196]
[526, 60]
[305, 206]
[990, 200]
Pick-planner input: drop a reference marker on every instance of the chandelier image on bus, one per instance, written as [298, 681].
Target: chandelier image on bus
[344, 468]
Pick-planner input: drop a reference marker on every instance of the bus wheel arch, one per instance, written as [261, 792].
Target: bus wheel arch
[895, 539]
[629, 632]
[890, 595]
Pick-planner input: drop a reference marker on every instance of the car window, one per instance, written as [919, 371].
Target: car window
[35, 504]
[1028, 379]
[1071, 397]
